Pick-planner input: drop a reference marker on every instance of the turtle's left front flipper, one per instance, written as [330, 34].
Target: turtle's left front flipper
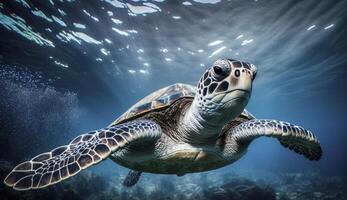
[294, 137]
[85, 150]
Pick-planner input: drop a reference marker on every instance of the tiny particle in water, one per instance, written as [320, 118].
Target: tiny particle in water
[245, 42]
[110, 13]
[311, 27]
[108, 41]
[131, 71]
[217, 51]
[176, 17]
[216, 42]
[143, 71]
[328, 27]
[239, 37]
[187, 3]
[61, 64]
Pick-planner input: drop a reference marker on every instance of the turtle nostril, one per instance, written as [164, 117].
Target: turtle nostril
[237, 73]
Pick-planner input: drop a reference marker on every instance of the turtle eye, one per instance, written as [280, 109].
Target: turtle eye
[220, 71]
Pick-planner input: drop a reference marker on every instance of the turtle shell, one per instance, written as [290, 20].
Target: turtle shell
[159, 99]
[163, 98]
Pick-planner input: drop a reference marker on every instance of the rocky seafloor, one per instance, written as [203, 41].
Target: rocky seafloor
[216, 185]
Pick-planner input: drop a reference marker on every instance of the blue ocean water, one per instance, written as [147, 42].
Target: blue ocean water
[71, 66]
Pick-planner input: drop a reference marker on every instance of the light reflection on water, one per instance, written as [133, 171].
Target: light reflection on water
[273, 35]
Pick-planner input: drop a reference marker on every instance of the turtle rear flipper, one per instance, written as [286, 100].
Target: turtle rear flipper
[132, 178]
[294, 137]
[85, 150]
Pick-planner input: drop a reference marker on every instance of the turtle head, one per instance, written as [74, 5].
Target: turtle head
[225, 88]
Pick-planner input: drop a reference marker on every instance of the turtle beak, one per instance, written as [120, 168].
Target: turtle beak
[241, 79]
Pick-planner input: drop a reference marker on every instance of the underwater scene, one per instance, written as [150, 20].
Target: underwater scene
[247, 99]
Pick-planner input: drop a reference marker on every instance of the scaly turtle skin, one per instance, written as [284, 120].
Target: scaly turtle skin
[176, 130]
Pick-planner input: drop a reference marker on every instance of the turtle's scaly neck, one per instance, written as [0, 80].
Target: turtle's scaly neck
[194, 128]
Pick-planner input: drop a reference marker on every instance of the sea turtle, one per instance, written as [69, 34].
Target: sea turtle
[179, 129]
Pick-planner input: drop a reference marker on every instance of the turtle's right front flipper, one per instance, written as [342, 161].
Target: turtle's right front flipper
[85, 150]
[294, 137]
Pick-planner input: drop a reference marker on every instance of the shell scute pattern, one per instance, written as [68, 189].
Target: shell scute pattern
[159, 99]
